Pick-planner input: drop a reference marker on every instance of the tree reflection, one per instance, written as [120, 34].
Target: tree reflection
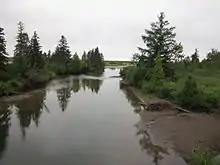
[92, 84]
[4, 127]
[63, 96]
[133, 100]
[145, 141]
[76, 85]
[30, 109]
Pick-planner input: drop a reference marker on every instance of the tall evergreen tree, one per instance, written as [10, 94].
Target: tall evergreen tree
[22, 39]
[160, 39]
[21, 49]
[3, 54]
[35, 55]
[84, 56]
[62, 52]
[62, 56]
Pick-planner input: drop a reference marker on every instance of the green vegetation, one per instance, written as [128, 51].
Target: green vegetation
[31, 68]
[118, 63]
[160, 68]
[200, 156]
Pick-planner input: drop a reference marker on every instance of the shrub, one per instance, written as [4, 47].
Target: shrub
[198, 98]
[51, 74]
[190, 95]
[14, 85]
[168, 90]
[211, 97]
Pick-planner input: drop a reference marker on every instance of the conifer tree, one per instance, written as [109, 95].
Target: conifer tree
[3, 54]
[160, 40]
[35, 56]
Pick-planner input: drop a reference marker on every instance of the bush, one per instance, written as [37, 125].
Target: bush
[168, 90]
[211, 97]
[136, 76]
[14, 85]
[190, 96]
[198, 98]
[51, 74]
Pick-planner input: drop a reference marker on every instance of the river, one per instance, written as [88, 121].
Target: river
[80, 120]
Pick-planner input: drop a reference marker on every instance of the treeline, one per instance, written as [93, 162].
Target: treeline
[31, 67]
[161, 68]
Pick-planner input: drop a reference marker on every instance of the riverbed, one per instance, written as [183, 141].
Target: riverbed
[86, 120]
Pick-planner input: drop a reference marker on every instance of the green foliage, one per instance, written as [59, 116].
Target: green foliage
[195, 57]
[35, 55]
[160, 40]
[61, 57]
[75, 65]
[200, 156]
[190, 95]
[168, 90]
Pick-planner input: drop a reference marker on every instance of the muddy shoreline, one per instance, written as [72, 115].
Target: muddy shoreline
[176, 131]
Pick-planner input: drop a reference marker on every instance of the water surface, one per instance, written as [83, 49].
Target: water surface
[80, 120]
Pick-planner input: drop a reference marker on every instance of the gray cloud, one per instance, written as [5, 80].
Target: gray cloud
[113, 25]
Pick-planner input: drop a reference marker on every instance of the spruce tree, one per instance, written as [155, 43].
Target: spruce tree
[3, 54]
[62, 52]
[62, 56]
[35, 56]
[21, 49]
[22, 39]
[160, 39]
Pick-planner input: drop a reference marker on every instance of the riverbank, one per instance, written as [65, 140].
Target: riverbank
[178, 132]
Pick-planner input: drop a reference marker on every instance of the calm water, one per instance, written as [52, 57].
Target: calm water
[79, 120]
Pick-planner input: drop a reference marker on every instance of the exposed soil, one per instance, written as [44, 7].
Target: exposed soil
[172, 129]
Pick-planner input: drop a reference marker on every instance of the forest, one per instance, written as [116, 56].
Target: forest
[30, 67]
[161, 69]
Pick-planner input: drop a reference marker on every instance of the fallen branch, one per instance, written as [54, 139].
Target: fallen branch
[183, 110]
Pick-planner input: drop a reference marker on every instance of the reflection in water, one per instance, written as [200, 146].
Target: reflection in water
[146, 144]
[76, 85]
[145, 141]
[64, 93]
[92, 84]
[30, 109]
[130, 96]
[63, 96]
[4, 127]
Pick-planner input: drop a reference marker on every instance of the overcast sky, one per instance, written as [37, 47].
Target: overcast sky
[115, 26]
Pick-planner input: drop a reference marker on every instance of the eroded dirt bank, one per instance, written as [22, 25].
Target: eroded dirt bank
[172, 131]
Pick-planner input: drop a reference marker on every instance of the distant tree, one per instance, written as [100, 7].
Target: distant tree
[3, 55]
[195, 56]
[160, 40]
[95, 61]
[212, 60]
[62, 56]
[76, 64]
[35, 56]
[186, 61]
[84, 56]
